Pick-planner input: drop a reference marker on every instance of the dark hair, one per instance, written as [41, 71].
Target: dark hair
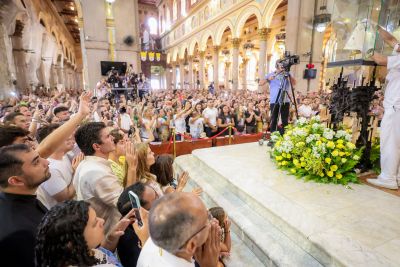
[9, 118]
[117, 135]
[60, 109]
[124, 204]
[60, 240]
[219, 214]
[46, 130]
[87, 135]
[170, 225]
[10, 164]
[163, 170]
[8, 134]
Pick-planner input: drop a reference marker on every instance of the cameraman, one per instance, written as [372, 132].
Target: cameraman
[390, 131]
[279, 100]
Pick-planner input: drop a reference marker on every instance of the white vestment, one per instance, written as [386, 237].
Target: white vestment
[390, 130]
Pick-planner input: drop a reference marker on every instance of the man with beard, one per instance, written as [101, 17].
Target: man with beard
[22, 170]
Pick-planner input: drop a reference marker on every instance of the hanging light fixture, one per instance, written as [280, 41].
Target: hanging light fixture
[322, 20]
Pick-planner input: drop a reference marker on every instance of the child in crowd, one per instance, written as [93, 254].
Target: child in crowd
[225, 224]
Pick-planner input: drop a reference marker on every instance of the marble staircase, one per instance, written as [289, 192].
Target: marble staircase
[280, 221]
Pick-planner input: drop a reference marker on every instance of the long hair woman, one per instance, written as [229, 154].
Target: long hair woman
[70, 234]
[145, 161]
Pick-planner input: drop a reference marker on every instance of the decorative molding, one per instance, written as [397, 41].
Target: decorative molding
[264, 33]
[236, 42]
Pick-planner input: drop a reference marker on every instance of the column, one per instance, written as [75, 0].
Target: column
[60, 71]
[216, 66]
[182, 73]
[226, 75]
[168, 77]
[174, 75]
[235, 63]
[53, 76]
[85, 70]
[110, 24]
[269, 56]
[244, 76]
[190, 76]
[201, 68]
[263, 35]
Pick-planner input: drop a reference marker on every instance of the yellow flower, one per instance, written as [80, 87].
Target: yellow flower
[350, 145]
[335, 153]
[340, 146]
[302, 159]
[330, 144]
[356, 157]
[334, 168]
[323, 139]
[289, 133]
[303, 164]
[340, 141]
[329, 173]
[300, 144]
[328, 160]
[319, 143]
[293, 170]
[284, 155]
[348, 153]
[284, 163]
[278, 143]
[278, 158]
[322, 174]
[341, 154]
[344, 160]
[288, 156]
[339, 176]
[295, 161]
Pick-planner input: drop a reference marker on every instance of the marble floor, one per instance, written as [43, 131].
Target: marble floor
[355, 226]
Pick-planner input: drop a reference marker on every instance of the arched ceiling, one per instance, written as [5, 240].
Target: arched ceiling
[67, 11]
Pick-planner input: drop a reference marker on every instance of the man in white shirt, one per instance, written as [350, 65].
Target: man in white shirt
[180, 229]
[124, 120]
[94, 180]
[59, 187]
[210, 114]
[196, 124]
[390, 130]
[305, 110]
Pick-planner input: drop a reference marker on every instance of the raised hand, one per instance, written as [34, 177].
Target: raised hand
[182, 181]
[197, 191]
[84, 103]
[77, 160]
[142, 232]
[208, 254]
[131, 155]
[118, 230]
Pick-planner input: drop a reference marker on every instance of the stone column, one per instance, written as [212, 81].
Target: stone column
[182, 73]
[244, 76]
[85, 71]
[190, 76]
[263, 35]
[269, 56]
[235, 63]
[216, 66]
[53, 76]
[168, 77]
[226, 75]
[110, 24]
[174, 75]
[201, 68]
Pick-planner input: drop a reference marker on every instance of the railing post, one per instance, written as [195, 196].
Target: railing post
[230, 134]
[174, 142]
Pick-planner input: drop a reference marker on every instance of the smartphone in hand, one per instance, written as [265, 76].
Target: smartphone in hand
[136, 205]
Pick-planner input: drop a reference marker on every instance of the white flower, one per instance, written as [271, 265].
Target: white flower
[317, 126]
[328, 133]
[299, 132]
[343, 134]
[301, 121]
[275, 137]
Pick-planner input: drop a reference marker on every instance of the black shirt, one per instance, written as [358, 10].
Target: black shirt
[253, 121]
[128, 248]
[20, 216]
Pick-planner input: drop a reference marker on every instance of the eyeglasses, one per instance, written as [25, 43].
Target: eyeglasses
[209, 219]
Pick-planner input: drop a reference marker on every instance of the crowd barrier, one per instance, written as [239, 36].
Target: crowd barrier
[188, 144]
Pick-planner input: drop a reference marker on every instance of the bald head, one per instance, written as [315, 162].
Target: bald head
[173, 219]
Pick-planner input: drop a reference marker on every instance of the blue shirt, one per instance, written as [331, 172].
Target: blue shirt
[275, 85]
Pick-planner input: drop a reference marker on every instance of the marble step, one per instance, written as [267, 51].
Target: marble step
[266, 243]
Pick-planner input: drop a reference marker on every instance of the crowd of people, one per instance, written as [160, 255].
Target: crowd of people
[68, 162]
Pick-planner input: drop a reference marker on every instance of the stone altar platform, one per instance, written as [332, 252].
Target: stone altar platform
[279, 220]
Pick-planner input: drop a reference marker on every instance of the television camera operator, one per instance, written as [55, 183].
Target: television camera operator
[279, 97]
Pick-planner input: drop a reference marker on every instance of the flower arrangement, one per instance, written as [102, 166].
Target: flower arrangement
[312, 151]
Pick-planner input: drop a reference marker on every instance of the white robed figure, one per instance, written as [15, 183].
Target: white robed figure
[390, 126]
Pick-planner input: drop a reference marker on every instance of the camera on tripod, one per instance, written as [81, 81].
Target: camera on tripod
[288, 61]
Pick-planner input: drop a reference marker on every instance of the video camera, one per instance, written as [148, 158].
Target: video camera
[288, 61]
